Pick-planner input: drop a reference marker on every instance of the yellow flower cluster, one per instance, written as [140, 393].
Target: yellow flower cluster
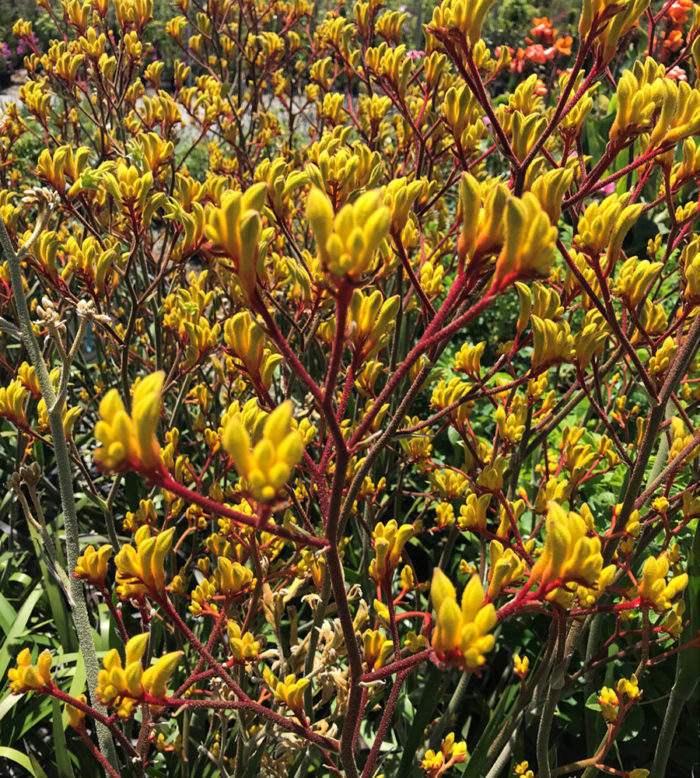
[231, 577]
[63, 168]
[389, 541]
[244, 647]
[290, 691]
[92, 564]
[530, 242]
[607, 699]
[371, 319]
[268, 465]
[472, 514]
[521, 665]
[26, 676]
[461, 635]
[506, 568]
[523, 769]
[625, 692]
[76, 715]
[569, 556]
[348, 241]
[377, 648]
[654, 591]
[246, 341]
[129, 442]
[622, 17]
[452, 752]
[234, 230]
[12, 402]
[123, 686]
[140, 570]
[463, 16]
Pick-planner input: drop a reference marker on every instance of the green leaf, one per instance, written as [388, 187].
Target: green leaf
[59, 611]
[18, 628]
[65, 770]
[7, 615]
[38, 770]
[28, 763]
[425, 708]
[8, 704]
[477, 763]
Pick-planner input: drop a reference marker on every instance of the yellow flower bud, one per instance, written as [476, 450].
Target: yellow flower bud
[27, 677]
[75, 715]
[92, 564]
[530, 241]
[461, 634]
[268, 466]
[130, 442]
[654, 591]
[141, 569]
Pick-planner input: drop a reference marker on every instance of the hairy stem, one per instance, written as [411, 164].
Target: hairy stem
[79, 610]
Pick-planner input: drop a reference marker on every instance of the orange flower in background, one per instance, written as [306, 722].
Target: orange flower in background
[673, 42]
[678, 12]
[542, 30]
[563, 45]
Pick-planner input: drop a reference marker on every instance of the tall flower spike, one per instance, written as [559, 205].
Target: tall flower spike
[129, 442]
[461, 635]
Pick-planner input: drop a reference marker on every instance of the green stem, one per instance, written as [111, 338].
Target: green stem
[566, 645]
[450, 711]
[686, 666]
[590, 684]
[79, 610]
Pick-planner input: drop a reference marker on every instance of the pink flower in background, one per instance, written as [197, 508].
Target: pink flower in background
[677, 74]
[6, 54]
[415, 54]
